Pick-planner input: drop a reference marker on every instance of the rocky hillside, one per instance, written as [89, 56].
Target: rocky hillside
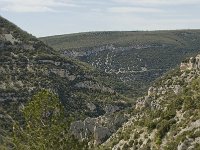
[168, 118]
[135, 58]
[27, 65]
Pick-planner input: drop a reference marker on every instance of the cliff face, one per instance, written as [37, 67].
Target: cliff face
[168, 117]
[191, 63]
[98, 130]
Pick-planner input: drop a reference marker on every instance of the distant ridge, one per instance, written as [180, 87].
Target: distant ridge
[136, 58]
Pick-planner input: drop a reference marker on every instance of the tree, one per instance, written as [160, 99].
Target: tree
[46, 126]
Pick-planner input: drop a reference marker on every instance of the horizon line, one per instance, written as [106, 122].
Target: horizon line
[101, 31]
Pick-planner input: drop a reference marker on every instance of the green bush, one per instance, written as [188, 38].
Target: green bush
[163, 127]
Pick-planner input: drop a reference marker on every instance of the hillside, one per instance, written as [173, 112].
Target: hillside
[168, 118]
[28, 66]
[50, 101]
[135, 58]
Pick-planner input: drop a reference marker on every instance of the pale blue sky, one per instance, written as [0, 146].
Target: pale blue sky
[52, 17]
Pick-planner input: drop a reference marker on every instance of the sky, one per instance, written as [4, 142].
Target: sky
[54, 17]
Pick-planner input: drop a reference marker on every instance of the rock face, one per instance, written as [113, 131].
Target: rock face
[90, 128]
[97, 130]
[192, 63]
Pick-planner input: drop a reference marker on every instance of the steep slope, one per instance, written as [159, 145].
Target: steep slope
[168, 118]
[136, 58]
[27, 65]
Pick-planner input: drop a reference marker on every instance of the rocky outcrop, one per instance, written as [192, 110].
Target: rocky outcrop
[191, 63]
[90, 128]
[97, 130]
[9, 37]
